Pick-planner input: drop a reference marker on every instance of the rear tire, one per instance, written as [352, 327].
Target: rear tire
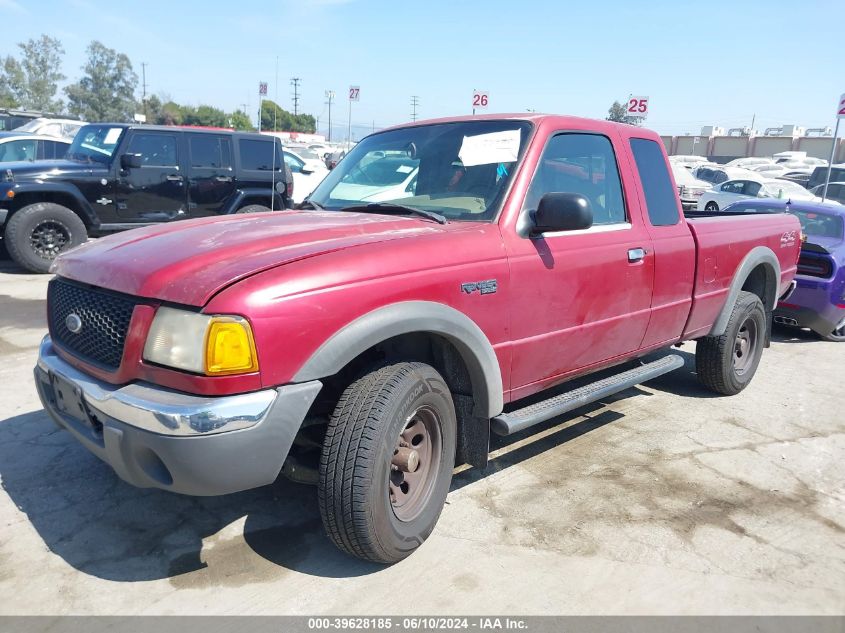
[727, 363]
[387, 461]
[37, 233]
[836, 336]
[711, 206]
[253, 208]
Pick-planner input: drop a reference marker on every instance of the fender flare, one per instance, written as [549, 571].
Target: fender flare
[758, 255]
[415, 317]
[83, 209]
[235, 201]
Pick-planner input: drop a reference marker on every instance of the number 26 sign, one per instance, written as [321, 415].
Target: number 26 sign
[840, 111]
[638, 106]
[480, 100]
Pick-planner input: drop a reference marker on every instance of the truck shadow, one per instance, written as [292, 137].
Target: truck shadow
[786, 334]
[106, 528]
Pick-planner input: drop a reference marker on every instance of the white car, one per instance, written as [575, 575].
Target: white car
[717, 174]
[690, 188]
[688, 161]
[835, 192]
[380, 180]
[306, 176]
[58, 128]
[307, 155]
[731, 191]
[750, 162]
[15, 147]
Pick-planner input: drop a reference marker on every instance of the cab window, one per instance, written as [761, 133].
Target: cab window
[584, 164]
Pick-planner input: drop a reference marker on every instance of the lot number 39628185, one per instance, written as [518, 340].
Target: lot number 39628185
[638, 106]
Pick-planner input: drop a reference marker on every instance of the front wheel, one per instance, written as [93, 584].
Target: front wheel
[711, 206]
[37, 233]
[387, 462]
[727, 363]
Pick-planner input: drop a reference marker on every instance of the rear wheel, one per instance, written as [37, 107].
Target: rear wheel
[836, 336]
[253, 208]
[387, 462]
[37, 233]
[711, 206]
[727, 363]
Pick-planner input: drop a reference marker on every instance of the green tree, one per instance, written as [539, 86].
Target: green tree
[276, 118]
[240, 121]
[32, 82]
[617, 113]
[106, 91]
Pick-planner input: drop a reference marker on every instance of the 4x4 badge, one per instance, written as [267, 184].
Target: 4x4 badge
[104, 201]
[486, 287]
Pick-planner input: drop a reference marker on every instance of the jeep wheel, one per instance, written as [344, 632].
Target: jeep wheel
[253, 208]
[387, 462]
[727, 363]
[37, 233]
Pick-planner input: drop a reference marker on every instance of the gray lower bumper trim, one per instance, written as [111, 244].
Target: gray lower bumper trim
[200, 464]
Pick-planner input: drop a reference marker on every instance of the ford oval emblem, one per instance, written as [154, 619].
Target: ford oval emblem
[73, 323]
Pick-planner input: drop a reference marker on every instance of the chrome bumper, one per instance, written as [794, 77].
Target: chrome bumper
[155, 437]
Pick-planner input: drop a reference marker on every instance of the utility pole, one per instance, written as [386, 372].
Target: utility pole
[294, 81]
[330, 97]
[144, 87]
[415, 101]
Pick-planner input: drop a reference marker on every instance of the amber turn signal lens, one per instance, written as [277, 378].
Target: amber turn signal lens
[229, 347]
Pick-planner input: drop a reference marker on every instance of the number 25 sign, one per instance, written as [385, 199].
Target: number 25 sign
[638, 106]
[480, 100]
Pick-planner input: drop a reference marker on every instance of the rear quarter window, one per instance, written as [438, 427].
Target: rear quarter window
[660, 197]
[259, 155]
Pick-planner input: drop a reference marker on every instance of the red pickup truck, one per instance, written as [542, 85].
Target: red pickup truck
[441, 274]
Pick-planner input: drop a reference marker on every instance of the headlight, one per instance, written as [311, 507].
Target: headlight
[201, 343]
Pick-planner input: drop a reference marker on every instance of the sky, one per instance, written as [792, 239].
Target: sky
[700, 62]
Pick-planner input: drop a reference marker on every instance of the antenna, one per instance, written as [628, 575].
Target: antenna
[415, 101]
[294, 81]
[144, 87]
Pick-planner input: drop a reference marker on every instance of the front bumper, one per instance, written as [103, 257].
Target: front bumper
[157, 438]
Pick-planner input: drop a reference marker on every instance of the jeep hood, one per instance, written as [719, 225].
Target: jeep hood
[190, 261]
[48, 169]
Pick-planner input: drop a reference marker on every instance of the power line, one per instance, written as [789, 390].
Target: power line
[295, 83]
[415, 101]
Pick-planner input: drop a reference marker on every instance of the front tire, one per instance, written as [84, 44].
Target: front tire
[711, 206]
[387, 460]
[727, 363]
[37, 233]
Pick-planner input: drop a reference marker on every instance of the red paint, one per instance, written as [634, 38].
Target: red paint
[566, 304]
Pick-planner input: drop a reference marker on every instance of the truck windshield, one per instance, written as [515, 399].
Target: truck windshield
[460, 170]
[95, 144]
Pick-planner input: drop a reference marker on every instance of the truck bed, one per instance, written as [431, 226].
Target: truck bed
[723, 241]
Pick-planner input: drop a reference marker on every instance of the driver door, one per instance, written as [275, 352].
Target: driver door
[156, 191]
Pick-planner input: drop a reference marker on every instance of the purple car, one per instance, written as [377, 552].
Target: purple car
[818, 301]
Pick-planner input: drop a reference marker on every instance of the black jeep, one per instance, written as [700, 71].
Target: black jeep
[118, 176]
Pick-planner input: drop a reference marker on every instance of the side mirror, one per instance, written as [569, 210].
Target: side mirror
[562, 212]
[130, 161]
[306, 170]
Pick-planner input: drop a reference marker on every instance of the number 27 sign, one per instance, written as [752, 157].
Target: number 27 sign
[638, 106]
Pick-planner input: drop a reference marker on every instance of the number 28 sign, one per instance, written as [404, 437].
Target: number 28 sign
[638, 106]
[480, 100]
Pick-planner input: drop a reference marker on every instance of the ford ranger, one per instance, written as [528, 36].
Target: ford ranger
[368, 347]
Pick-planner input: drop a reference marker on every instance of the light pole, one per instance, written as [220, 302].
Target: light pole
[330, 97]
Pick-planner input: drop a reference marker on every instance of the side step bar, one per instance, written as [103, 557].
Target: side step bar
[515, 421]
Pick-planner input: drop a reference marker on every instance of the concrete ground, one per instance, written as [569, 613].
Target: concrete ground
[664, 499]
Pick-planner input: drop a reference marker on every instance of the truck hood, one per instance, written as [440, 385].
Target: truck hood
[49, 169]
[192, 260]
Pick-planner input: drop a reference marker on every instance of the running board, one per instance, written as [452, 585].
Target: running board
[515, 421]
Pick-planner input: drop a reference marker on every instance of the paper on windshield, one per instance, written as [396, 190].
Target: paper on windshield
[404, 169]
[495, 147]
[112, 135]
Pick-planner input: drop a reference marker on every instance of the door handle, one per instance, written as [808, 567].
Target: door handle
[223, 178]
[636, 255]
[175, 178]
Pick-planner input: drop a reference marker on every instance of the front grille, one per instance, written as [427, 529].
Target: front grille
[105, 321]
[815, 265]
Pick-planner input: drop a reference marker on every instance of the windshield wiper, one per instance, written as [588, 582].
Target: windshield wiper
[399, 209]
[310, 204]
